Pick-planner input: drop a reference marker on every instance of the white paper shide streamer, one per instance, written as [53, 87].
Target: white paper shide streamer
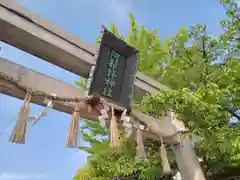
[103, 117]
[42, 113]
[126, 123]
[177, 176]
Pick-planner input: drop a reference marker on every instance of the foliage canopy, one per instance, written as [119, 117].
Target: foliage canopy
[203, 73]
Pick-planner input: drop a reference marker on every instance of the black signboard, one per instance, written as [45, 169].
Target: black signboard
[116, 66]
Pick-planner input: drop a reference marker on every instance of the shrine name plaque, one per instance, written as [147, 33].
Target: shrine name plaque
[115, 70]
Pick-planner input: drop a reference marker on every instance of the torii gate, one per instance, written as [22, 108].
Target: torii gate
[22, 28]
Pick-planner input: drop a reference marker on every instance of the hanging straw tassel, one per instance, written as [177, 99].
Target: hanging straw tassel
[114, 131]
[19, 131]
[165, 164]
[140, 150]
[72, 141]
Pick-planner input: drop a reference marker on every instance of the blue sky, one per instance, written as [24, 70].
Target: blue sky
[44, 156]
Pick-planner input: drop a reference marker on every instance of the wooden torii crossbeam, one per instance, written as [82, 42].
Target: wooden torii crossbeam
[21, 28]
[47, 85]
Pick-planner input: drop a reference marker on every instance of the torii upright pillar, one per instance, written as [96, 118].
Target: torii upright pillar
[187, 161]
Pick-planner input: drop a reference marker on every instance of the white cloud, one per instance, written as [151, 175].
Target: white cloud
[20, 176]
